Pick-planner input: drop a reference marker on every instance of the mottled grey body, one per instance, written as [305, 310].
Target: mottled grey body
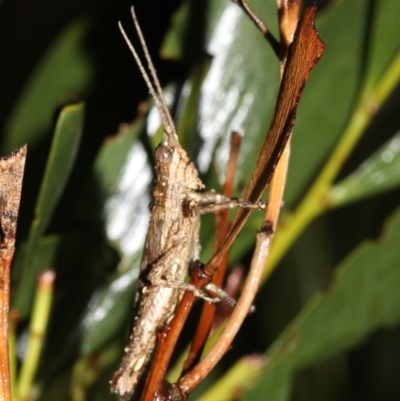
[172, 242]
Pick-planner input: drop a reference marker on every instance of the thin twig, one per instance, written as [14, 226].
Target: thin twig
[261, 26]
[222, 227]
[168, 337]
[199, 372]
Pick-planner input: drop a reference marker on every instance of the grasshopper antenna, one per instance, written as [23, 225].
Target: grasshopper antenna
[152, 83]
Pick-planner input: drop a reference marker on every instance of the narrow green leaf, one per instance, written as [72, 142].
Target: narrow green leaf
[377, 174]
[330, 94]
[64, 148]
[62, 77]
[243, 371]
[384, 33]
[40, 318]
[173, 46]
[61, 158]
[187, 126]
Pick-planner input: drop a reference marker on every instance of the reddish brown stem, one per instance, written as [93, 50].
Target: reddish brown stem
[5, 263]
[168, 338]
[222, 227]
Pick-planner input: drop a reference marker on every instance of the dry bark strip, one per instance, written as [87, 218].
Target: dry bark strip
[304, 53]
[11, 175]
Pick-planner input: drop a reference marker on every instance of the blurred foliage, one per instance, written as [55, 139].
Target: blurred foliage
[327, 319]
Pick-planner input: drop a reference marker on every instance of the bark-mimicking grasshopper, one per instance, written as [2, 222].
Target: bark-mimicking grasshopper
[172, 240]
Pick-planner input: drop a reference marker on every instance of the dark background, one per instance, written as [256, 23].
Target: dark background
[27, 29]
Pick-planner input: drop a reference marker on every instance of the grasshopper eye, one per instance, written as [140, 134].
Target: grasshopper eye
[163, 154]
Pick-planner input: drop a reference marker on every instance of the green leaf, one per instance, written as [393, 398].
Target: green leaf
[240, 95]
[363, 297]
[241, 84]
[330, 92]
[377, 174]
[187, 126]
[61, 159]
[122, 176]
[64, 148]
[110, 163]
[384, 42]
[110, 309]
[120, 181]
[63, 76]
[244, 371]
[173, 46]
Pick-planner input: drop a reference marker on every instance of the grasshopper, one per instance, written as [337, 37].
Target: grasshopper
[172, 240]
